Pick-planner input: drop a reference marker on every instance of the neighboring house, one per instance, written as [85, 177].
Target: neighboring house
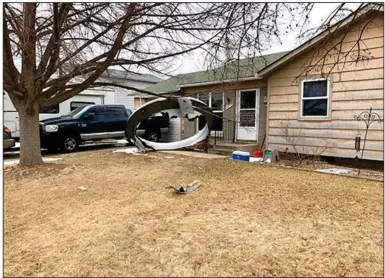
[273, 99]
[102, 95]
[131, 79]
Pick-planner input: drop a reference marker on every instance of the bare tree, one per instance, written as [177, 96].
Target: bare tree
[335, 51]
[65, 47]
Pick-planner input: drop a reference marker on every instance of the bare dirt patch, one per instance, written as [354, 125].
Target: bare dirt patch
[244, 220]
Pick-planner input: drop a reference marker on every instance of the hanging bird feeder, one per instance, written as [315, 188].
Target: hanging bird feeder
[358, 142]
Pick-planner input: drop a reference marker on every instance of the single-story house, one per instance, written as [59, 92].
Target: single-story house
[305, 100]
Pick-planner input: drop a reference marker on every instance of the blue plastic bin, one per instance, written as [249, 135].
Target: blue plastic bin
[241, 156]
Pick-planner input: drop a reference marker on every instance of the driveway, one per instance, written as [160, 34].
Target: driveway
[12, 155]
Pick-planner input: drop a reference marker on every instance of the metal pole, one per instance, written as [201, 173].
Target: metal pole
[366, 133]
[368, 118]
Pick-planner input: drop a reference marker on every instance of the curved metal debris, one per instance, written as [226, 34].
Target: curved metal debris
[181, 107]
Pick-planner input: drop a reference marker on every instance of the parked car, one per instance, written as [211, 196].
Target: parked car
[8, 142]
[90, 123]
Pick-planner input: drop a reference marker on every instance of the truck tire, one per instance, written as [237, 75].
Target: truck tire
[70, 143]
[153, 135]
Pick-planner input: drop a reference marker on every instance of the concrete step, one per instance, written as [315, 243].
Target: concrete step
[236, 147]
[226, 152]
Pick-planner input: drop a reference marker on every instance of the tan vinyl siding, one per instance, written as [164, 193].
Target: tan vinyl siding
[355, 87]
[137, 102]
[262, 116]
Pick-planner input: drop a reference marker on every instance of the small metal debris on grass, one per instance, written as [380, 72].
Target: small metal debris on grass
[187, 189]
[82, 188]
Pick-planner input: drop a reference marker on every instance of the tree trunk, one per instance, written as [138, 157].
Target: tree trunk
[30, 154]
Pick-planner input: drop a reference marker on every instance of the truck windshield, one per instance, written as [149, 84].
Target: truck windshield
[77, 112]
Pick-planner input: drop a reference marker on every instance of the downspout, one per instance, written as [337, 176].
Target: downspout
[267, 114]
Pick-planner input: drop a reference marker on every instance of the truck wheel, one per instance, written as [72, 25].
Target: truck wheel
[70, 143]
[153, 136]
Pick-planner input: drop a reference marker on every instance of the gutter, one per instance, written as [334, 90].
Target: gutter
[206, 83]
[159, 93]
[221, 81]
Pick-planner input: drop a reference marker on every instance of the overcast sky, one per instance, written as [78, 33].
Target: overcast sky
[194, 61]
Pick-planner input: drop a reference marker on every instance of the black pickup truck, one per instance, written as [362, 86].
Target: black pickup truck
[93, 123]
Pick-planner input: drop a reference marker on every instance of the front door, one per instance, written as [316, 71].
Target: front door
[247, 114]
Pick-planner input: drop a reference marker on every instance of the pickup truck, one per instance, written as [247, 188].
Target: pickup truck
[94, 123]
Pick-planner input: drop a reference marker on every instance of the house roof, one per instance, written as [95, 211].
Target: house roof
[130, 75]
[313, 41]
[246, 69]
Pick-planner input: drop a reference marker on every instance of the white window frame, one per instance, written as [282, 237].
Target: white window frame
[311, 98]
[214, 111]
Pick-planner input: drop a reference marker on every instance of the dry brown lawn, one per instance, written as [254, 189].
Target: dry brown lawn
[244, 220]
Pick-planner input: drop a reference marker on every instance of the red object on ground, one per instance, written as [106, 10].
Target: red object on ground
[258, 153]
[6, 130]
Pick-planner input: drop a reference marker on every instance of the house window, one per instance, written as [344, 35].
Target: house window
[139, 101]
[314, 97]
[51, 110]
[215, 102]
[77, 104]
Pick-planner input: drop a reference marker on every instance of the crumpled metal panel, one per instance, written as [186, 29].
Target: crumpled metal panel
[160, 104]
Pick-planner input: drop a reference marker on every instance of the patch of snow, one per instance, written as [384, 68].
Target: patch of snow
[169, 157]
[49, 159]
[122, 141]
[334, 171]
[17, 145]
[128, 150]
[82, 188]
[16, 161]
[10, 162]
